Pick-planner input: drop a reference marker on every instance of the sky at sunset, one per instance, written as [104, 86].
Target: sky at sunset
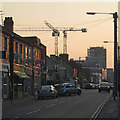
[66, 14]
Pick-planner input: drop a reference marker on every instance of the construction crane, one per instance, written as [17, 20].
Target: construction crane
[1, 13]
[65, 37]
[55, 34]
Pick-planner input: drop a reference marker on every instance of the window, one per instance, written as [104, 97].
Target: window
[5, 44]
[24, 55]
[16, 47]
[20, 53]
[16, 52]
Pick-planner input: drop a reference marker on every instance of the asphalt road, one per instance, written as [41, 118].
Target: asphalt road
[74, 106]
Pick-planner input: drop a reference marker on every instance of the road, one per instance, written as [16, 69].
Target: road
[74, 106]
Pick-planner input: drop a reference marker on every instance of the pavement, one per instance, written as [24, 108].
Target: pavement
[17, 101]
[111, 109]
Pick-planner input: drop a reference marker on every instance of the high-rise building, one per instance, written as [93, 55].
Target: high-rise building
[96, 57]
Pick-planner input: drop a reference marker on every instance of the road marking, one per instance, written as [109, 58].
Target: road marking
[50, 106]
[61, 102]
[33, 111]
[95, 115]
[38, 107]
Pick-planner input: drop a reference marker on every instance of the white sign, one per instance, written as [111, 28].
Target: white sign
[62, 68]
[4, 67]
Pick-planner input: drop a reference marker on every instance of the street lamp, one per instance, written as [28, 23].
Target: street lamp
[115, 16]
[108, 41]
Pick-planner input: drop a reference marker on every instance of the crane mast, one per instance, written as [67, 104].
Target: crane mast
[65, 37]
[55, 33]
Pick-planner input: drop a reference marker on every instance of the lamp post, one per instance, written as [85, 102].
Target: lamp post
[108, 41]
[11, 58]
[115, 16]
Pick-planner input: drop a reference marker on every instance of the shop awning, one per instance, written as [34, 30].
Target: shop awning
[21, 74]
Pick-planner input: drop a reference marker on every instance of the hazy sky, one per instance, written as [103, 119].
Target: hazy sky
[66, 14]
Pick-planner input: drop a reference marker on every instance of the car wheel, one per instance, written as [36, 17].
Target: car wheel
[43, 98]
[79, 92]
[67, 94]
[56, 96]
[99, 91]
[53, 96]
[38, 97]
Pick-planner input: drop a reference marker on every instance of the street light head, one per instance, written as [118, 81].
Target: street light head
[105, 41]
[84, 30]
[90, 13]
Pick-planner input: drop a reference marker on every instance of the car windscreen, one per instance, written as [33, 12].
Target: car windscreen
[103, 84]
[45, 87]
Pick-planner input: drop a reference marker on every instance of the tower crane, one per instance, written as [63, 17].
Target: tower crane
[55, 33]
[65, 37]
[1, 13]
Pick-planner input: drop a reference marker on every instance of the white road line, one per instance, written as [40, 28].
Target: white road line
[33, 111]
[16, 117]
[94, 116]
[61, 102]
[37, 107]
[50, 105]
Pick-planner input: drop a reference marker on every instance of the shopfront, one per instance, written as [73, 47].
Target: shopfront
[28, 82]
[37, 78]
[5, 67]
[21, 80]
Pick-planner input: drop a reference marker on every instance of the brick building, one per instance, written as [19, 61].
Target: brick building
[23, 62]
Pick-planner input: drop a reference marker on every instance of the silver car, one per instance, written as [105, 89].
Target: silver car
[68, 89]
[47, 91]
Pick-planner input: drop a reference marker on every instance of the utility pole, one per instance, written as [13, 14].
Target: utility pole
[32, 81]
[115, 16]
[11, 57]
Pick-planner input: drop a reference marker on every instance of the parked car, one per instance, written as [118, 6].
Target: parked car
[86, 86]
[92, 86]
[104, 86]
[68, 89]
[47, 91]
[97, 86]
[111, 85]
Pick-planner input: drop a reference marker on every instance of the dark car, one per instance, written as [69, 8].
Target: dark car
[104, 86]
[86, 86]
[111, 85]
[47, 91]
[68, 89]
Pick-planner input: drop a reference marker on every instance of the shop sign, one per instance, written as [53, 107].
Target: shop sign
[62, 68]
[37, 69]
[5, 67]
[28, 71]
[19, 68]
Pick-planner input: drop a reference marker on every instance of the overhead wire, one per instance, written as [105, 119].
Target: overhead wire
[95, 23]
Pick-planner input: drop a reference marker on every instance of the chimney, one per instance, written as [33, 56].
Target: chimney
[8, 24]
[64, 57]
